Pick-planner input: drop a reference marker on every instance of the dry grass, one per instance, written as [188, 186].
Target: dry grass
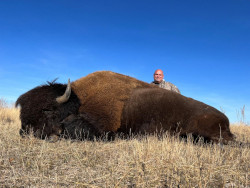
[138, 162]
[8, 114]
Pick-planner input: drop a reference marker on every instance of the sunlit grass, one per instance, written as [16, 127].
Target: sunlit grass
[142, 161]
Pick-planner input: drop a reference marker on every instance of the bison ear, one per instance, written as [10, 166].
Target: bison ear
[65, 97]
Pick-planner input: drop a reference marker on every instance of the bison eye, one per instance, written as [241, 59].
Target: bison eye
[47, 111]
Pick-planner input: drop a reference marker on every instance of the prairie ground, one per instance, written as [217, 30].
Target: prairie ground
[141, 161]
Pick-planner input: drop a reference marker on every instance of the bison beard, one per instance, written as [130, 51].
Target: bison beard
[106, 101]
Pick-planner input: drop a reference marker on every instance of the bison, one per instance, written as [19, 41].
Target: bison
[105, 101]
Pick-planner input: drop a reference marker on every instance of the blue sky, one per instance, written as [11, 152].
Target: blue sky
[203, 46]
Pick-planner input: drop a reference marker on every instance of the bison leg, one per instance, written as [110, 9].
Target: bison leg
[78, 127]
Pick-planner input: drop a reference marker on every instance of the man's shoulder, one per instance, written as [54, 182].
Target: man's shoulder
[171, 86]
[169, 83]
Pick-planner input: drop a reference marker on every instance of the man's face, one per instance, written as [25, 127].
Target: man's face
[158, 76]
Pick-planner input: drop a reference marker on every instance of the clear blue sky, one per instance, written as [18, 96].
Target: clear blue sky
[203, 46]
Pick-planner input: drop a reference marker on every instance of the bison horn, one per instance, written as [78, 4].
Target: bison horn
[65, 97]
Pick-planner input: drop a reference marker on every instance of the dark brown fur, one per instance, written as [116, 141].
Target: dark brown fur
[41, 113]
[79, 127]
[156, 110]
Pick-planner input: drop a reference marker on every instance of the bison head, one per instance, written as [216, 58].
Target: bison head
[44, 108]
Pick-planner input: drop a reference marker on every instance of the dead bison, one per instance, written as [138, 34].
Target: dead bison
[105, 101]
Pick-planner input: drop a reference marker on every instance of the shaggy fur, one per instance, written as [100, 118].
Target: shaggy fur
[41, 113]
[79, 127]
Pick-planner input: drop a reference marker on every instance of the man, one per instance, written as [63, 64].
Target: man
[158, 80]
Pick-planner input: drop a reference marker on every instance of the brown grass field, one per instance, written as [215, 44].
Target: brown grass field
[142, 161]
